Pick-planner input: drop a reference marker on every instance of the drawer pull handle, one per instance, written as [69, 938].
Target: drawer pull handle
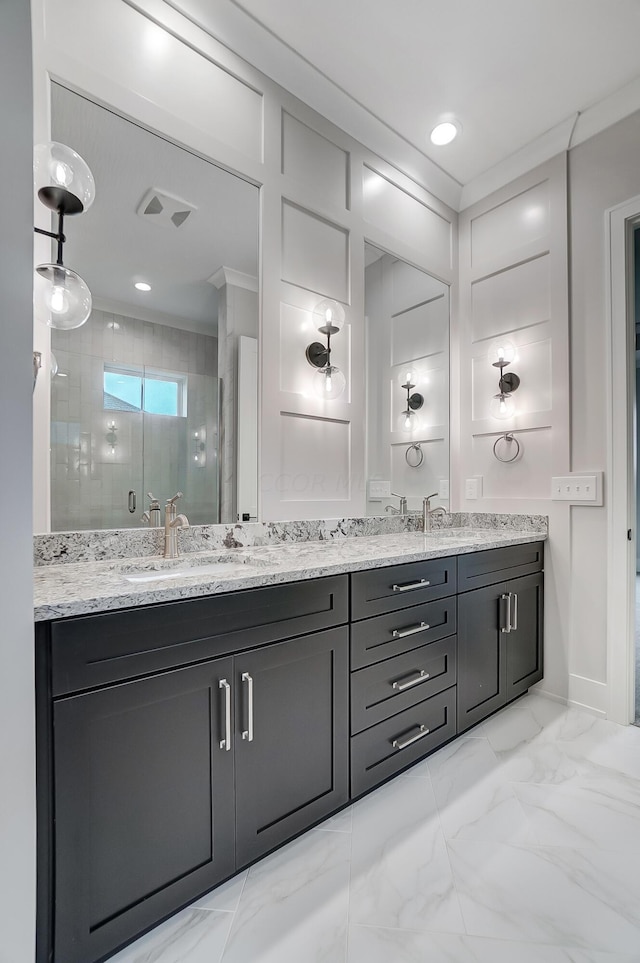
[409, 586]
[413, 630]
[226, 742]
[248, 732]
[401, 684]
[403, 743]
[507, 622]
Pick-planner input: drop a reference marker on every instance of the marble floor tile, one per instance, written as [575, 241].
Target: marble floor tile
[517, 843]
[474, 799]
[601, 811]
[369, 944]
[294, 906]
[584, 898]
[192, 936]
[340, 823]
[400, 873]
[225, 897]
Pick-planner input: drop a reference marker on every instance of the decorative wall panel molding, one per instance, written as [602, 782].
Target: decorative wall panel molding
[403, 216]
[513, 298]
[315, 253]
[316, 162]
[522, 220]
[314, 459]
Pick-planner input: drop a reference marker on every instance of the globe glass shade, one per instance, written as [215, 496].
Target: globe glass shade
[61, 298]
[329, 383]
[58, 166]
[328, 315]
[502, 406]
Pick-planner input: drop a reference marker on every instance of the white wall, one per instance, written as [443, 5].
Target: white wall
[603, 171]
[514, 285]
[17, 802]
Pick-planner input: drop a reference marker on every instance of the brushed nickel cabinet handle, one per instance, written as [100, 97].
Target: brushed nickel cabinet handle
[401, 684]
[402, 743]
[248, 732]
[409, 586]
[514, 624]
[412, 630]
[507, 625]
[226, 742]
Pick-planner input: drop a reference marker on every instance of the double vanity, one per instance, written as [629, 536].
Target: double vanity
[194, 714]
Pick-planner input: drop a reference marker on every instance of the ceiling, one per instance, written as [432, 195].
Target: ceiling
[510, 71]
[111, 246]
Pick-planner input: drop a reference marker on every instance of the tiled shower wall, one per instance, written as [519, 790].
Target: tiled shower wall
[90, 482]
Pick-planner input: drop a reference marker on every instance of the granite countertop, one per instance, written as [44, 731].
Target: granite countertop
[98, 586]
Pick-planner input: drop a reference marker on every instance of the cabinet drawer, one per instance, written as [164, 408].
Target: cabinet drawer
[389, 635]
[400, 586]
[373, 755]
[99, 649]
[499, 564]
[388, 688]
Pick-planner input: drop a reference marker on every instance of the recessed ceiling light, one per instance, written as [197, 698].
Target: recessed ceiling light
[444, 133]
[142, 286]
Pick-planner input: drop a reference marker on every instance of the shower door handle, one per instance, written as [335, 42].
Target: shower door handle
[132, 501]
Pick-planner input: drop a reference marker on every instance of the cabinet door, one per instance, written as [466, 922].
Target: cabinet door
[143, 802]
[524, 643]
[292, 735]
[481, 654]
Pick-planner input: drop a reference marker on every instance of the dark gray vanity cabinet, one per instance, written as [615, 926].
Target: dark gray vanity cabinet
[291, 744]
[143, 801]
[166, 764]
[499, 628]
[403, 660]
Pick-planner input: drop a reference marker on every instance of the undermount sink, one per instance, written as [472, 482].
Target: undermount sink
[161, 569]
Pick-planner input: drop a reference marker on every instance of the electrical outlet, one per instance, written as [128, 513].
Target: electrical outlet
[473, 487]
[378, 490]
[578, 488]
[443, 488]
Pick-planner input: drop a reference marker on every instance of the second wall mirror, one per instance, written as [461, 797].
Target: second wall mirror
[407, 318]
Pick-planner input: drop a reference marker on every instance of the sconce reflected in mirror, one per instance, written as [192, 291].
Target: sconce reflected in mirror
[328, 382]
[111, 437]
[415, 401]
[65, 185]
[501, 354]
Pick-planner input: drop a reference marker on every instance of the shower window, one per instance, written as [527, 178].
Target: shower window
[155, 392]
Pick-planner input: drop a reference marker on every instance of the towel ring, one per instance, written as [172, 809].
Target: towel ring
[508, 437]
[414, 461]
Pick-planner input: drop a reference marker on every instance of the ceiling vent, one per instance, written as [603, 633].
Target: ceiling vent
[163, 209]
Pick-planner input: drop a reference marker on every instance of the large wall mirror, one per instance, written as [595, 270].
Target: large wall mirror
[147, 393]
[407, 327]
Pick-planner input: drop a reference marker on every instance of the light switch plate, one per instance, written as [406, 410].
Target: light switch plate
[378, 489]
[578, 488]
[473, 487]
[443, 488]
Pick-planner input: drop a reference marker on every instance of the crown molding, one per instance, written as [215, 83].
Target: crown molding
[227, 275]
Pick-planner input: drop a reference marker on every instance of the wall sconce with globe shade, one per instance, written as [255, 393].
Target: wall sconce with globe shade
[328, 382]
[501, 354]
[65, 185]
[415, 401]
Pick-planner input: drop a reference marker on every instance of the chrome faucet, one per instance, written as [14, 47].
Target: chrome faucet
[172, 523]
[152, 516]
[427, 512]
[403, 505]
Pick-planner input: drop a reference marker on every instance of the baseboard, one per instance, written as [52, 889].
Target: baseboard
[588, 694]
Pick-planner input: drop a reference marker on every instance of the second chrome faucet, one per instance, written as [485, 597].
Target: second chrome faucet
[172, 523]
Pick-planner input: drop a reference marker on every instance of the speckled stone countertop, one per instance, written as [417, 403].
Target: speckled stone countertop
[62, 590]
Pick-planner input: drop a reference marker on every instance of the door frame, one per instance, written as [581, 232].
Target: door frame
[620, 222]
